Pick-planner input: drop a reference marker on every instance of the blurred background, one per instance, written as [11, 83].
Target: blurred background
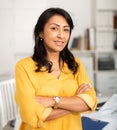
[93, 39]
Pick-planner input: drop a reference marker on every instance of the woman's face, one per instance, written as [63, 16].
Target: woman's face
[56, 34]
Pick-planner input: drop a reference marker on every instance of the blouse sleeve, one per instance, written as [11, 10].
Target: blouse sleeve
[82, 77]
[31, 112]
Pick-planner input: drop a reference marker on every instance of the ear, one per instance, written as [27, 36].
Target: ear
[41, 35]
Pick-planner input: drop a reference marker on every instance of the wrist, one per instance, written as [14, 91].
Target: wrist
[56, 100]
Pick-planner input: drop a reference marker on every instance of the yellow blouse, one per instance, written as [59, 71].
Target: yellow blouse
[30, 84]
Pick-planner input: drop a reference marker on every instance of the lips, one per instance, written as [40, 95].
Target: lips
[59, 43]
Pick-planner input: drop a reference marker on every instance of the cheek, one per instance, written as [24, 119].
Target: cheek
[48, 38]
[67, 37]
[49, 35]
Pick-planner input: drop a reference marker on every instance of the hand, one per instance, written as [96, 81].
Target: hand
[45, 101]
[85, 87]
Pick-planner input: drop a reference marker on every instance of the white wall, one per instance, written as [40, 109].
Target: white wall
[17, 20]
[6, 36]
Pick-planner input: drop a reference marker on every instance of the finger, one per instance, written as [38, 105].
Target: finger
[82, 86]
[84, 90]
[85, 87]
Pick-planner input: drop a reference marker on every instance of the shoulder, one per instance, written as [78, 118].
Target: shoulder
[78, 60]
[25, 62]
[80, 64]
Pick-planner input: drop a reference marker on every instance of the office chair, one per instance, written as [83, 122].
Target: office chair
[8, 107]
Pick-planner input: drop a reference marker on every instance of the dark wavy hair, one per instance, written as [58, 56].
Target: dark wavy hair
[40, 54]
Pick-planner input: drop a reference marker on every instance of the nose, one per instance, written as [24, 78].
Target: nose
[61, 33]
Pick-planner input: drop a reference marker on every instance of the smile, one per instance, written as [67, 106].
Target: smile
[59, 43]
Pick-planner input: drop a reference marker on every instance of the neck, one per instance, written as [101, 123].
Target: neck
[54, 57]
[56, 62]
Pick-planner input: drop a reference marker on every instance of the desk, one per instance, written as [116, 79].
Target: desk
[108, 112]
[105, 117]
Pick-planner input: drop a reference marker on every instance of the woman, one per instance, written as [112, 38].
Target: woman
[52, 87]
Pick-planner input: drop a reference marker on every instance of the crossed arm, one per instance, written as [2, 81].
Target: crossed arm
[66, 104]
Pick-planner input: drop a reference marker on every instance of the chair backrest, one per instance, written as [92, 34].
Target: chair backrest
[8, 107]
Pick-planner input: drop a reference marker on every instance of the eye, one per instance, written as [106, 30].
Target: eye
[54, 28]
[67, 30]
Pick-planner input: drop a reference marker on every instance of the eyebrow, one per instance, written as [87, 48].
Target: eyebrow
[59, 25]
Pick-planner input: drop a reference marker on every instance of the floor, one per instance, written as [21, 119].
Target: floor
[9, 126]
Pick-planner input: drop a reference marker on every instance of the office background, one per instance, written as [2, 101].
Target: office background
[17, 21]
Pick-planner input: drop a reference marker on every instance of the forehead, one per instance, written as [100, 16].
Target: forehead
[57, 19]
